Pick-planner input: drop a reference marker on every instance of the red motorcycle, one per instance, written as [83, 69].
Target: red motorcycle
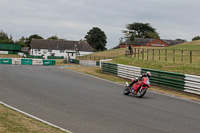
[139, 89]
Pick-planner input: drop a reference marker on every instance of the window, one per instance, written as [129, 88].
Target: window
[158, 42]
[61, 51]
[49, 50]
[37, 49]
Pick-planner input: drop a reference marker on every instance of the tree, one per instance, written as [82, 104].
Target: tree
[152, 35]
[96, 38]
[141, 30]
[132, 38]
[183, 40]
[53, 38]
[22, 41]
[35, 36]
[196, 38]
[4, 37]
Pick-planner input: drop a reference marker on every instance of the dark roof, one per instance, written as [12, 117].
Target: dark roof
[173, 42]
[60, 45]
[143, 41]
[139, 41]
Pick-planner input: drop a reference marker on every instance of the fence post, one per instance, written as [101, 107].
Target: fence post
[173, 55]
[181, 55]
[153, 54]
[135, 53]
[159, 54]
[166, 55]
[138, 53]
[143, 54]
[190, 56]
[147, 54]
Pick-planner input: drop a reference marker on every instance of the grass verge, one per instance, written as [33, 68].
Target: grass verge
[95, 71]
[12, 121]
[193, 69]
[10, 56]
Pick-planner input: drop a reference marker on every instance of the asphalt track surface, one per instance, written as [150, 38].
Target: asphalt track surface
[84, 104]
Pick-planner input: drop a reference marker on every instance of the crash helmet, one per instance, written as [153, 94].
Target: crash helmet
[148, 74]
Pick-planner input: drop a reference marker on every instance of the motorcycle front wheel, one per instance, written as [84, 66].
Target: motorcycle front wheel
[126, 91]
[141, 93]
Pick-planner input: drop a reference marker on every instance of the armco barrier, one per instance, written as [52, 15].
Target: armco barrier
[192, 84]
[85, 62]
[76, 61]
[55, 57]
[33, 56]
[12, 52]
[128, 72]
[166, 79]
[3, 52]
[110, 68]
[183, 82]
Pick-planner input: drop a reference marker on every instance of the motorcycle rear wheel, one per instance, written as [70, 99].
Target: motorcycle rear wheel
[141, 93]
[126, 91]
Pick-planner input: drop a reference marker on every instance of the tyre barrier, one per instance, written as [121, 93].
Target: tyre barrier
[178, 81]
[24, 61]
[85, 62]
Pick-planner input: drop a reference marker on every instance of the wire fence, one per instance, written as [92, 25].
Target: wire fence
[187, 56]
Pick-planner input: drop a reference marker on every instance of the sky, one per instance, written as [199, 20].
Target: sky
[72, 19]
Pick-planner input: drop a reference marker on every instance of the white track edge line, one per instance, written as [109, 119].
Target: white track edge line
[36, 118]
[185, 99]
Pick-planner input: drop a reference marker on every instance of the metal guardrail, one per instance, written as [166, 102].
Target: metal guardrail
[128, 72]
[85, 62]
[166, 79]
[192, 84]
[178, 81]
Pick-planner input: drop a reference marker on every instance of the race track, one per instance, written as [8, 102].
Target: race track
[84, 104]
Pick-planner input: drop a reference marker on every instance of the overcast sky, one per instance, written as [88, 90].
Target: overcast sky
[72, 19]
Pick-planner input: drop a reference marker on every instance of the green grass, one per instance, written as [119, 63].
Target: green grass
[14, 122]
[187, 68]
[158, 61]
[194, 45]
[10, 56]
[108, 54]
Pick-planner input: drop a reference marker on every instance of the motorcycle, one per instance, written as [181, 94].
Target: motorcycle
[139, 89]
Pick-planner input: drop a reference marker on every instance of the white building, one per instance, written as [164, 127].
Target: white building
[43, 47]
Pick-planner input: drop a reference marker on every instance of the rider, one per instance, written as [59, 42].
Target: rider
[147, 74]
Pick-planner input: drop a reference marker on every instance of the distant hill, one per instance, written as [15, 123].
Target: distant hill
[194, 45]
